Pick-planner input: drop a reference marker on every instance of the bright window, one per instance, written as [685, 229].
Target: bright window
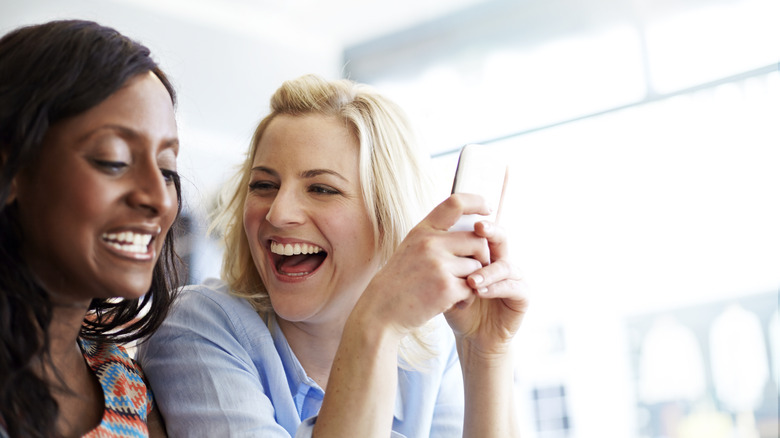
[644, 200]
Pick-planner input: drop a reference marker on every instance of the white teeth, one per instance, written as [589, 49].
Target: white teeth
[294, 249]
[128, 241]
[141, 249]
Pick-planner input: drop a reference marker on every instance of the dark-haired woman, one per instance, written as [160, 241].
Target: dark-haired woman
[88, 196]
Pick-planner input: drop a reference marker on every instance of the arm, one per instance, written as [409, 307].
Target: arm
[484, 328]
[361, 389]
[425, 277]
[490, 409]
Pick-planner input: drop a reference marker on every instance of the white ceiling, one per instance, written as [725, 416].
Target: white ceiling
[331, 22]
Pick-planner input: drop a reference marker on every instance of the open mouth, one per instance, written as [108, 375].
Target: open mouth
[129, 241]
[296, 259]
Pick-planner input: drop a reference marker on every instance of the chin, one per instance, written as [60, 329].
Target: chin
[292, 311]
[132, 290]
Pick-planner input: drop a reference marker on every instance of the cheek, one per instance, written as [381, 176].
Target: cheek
[60, 222]
[254, 214]
[356, 233]
[77, 205]
[170, 214]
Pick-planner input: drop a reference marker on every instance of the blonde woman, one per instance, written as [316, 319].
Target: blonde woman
[326, 320]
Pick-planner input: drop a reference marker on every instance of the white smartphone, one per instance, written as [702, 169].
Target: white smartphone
[481, 171]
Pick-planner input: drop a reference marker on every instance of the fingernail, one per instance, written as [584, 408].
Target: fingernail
[482, 290]
[477, 279]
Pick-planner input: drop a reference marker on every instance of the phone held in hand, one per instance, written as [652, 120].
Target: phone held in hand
[480, 171]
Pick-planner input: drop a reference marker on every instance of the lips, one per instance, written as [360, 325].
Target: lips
[296, 259]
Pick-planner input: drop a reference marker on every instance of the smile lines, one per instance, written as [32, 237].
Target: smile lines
[294, 249]
[128, 241]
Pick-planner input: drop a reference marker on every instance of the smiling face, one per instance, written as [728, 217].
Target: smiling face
[96, 205]
[308, 229]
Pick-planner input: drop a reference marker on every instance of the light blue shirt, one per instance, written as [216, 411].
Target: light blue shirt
[218, 369]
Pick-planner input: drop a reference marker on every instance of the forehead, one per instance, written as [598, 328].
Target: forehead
[142, 108]
[311, 140]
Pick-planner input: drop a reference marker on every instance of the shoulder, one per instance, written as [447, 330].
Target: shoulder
[211, 302]
[212, 292]
[207, 314]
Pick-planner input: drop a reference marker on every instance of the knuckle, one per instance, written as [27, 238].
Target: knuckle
[456, 201]
[427, 243]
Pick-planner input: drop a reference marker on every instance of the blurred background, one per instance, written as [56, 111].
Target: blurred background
[643, 138]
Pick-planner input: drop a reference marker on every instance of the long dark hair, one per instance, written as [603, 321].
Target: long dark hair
[50, 72]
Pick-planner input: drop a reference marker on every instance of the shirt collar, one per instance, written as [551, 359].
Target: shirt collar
[296, 375]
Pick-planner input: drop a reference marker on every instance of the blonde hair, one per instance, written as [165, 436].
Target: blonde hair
[393, 178]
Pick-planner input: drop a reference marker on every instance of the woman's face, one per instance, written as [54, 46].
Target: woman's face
[308, 229]
[96, 205]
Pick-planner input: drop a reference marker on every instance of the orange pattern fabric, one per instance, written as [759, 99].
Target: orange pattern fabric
[127, 398]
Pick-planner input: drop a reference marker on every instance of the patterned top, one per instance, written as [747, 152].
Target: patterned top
[127, 398]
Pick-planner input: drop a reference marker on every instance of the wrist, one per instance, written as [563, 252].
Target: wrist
[375, 317]
[363, 324]
[472, 355]
[489, 390]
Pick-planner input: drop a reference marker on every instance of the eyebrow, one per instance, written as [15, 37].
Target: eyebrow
[311, 173]
[130, 134]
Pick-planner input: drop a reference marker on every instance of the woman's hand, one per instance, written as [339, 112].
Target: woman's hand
[427, 273]
[484, 325]
[433, 271]
[489, 318]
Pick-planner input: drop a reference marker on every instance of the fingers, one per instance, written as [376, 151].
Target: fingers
[442, 260]
[498, 278]
[435, 228]
[496, 239]
[466, 244]
[481, 279]
[462, 267]
[461, 252]
[446, 214]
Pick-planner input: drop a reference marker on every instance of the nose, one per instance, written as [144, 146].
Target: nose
[151, 191]
[286, 209]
